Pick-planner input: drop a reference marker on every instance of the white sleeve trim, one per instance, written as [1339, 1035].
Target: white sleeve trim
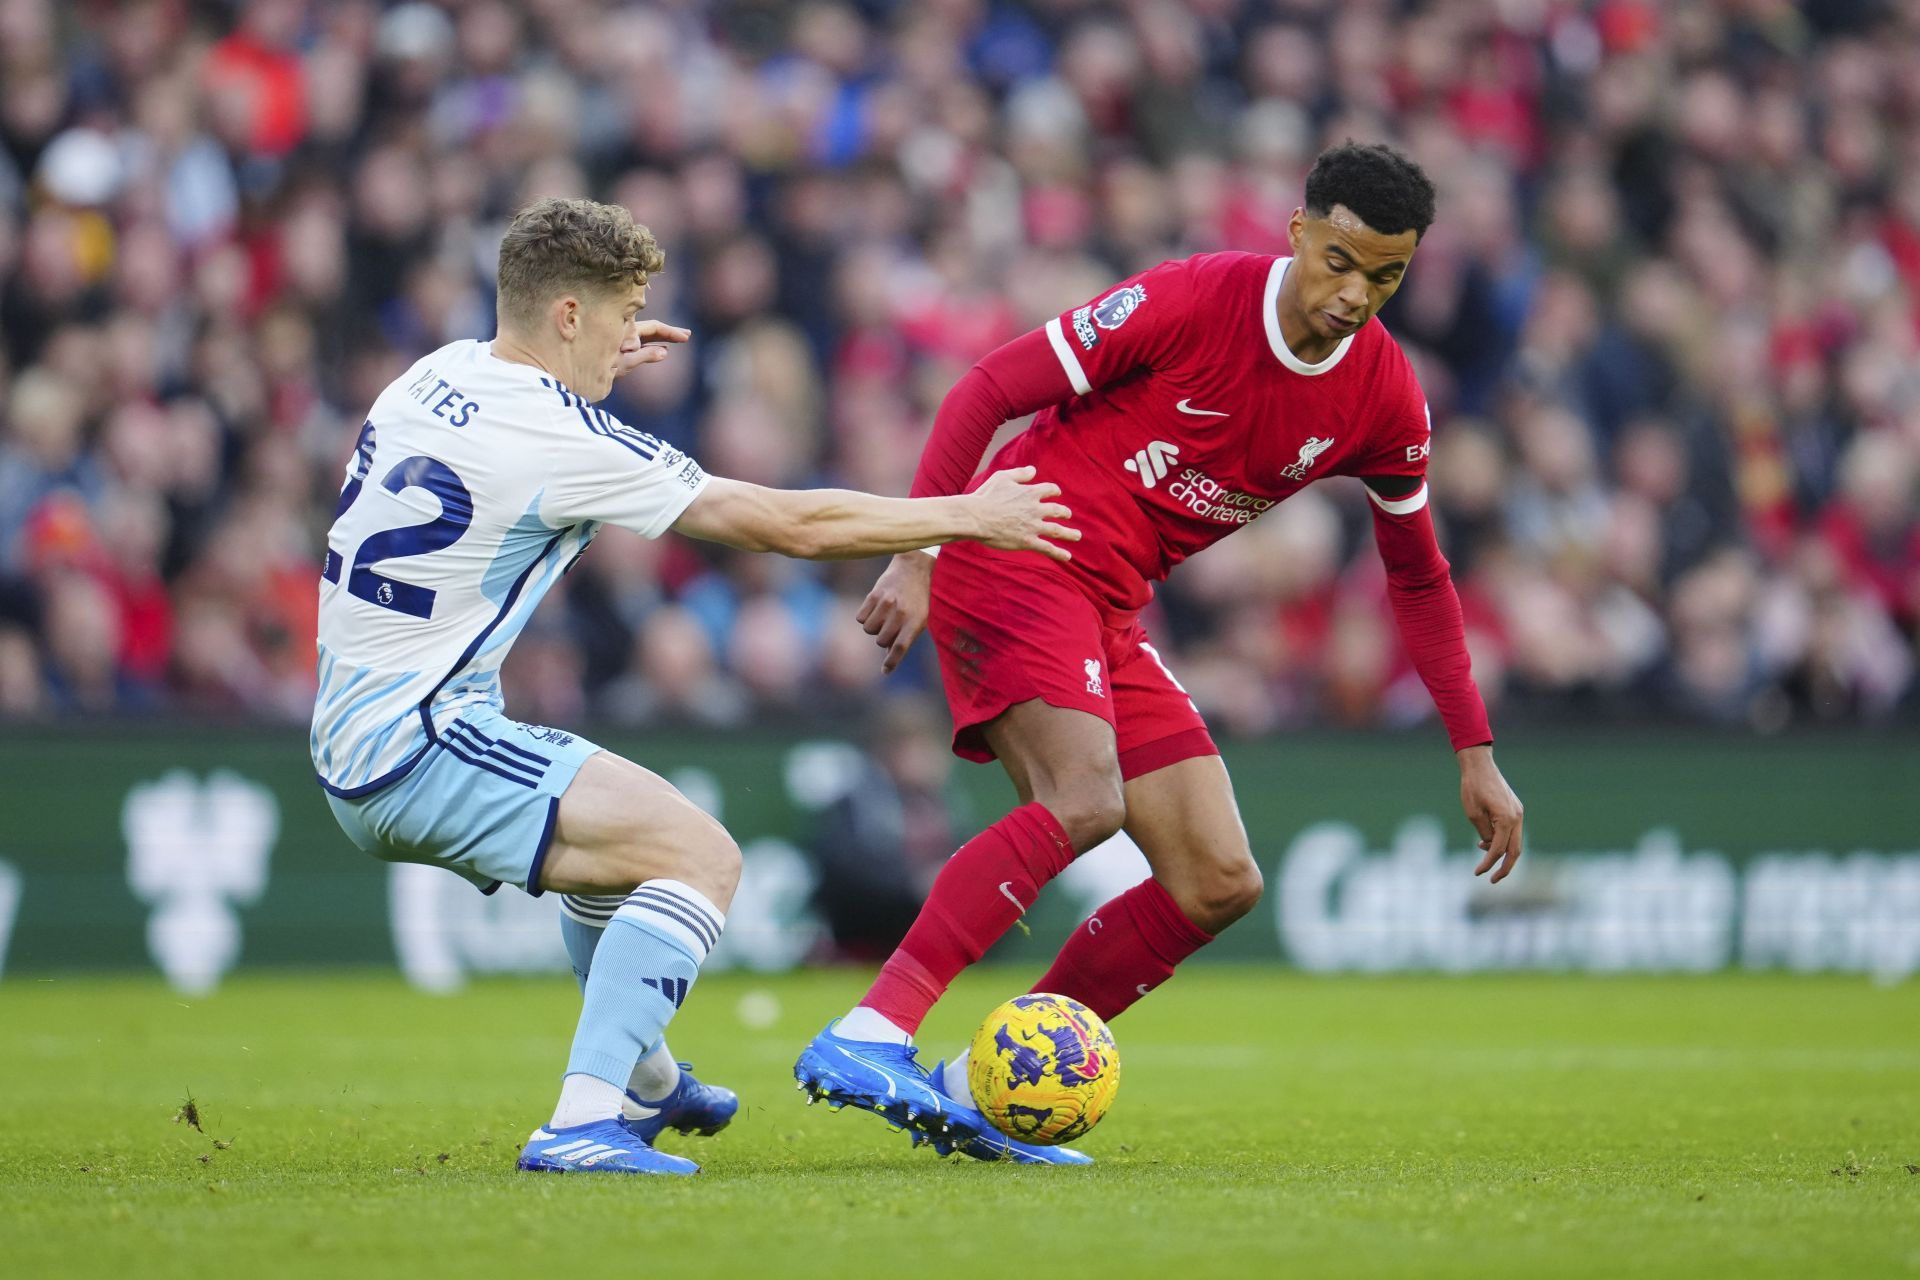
[1400, 506]
[1068, 361]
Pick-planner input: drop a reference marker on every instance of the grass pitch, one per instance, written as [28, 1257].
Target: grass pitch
[1268, 1124]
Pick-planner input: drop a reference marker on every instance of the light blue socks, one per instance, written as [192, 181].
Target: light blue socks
[582, 920]
[637, 958]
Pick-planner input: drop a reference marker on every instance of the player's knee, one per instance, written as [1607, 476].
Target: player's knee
[1089, 809]
[1220, 893]
[1226, 893]
[709, 860]
[727, 864]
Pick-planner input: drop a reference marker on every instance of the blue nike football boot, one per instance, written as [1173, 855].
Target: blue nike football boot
[885, 1079]
[974, 1135]
[692, 1107]
[599, 1146]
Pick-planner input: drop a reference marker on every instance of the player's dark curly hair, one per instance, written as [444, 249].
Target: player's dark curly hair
[1386, 190]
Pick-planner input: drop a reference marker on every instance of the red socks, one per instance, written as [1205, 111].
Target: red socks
[1124, 950]
[977, 896]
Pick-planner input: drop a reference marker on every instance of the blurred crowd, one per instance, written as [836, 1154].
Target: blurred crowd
[1669, 320]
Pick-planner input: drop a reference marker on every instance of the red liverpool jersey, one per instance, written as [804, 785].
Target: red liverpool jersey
[1192, 417]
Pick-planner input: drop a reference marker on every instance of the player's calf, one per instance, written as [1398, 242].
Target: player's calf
[986, 886]
[620, 825]
[1124, 950]
[642, 972]
[661, 1091]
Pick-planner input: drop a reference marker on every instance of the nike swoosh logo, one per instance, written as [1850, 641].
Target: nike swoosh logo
[1142, 989]
[1186, 406]
[1006, 887]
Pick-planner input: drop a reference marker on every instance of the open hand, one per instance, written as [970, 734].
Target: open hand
[1016, 515]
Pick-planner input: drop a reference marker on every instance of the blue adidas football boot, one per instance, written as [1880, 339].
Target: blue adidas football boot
[692, 1107]
[974, 1135]
[599, 1146]
[885, 1079]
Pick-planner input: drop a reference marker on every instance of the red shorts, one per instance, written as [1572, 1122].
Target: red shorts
[1011, 628]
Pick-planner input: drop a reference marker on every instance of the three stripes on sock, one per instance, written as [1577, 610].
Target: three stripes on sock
[655, 940]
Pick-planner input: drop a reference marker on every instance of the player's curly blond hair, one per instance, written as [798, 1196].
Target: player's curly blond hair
[557, 246]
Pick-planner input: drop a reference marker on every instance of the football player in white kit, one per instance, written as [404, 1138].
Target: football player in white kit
[479, 477]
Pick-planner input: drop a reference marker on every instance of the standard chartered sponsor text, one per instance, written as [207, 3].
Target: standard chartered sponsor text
[1211, 500]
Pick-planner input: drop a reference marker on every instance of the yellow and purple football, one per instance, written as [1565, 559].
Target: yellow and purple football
[1043, 1069]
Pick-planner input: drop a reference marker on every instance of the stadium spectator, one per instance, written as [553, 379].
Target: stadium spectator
[878, 846]
[1670, 318]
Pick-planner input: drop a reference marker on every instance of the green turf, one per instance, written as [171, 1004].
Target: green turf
[1268, 1124]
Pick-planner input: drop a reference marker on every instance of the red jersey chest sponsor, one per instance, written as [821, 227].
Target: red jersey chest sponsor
[1200, 465]
[1163, 465]
[1207, 422]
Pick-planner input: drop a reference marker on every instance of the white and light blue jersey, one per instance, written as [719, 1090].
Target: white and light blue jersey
[475, 483]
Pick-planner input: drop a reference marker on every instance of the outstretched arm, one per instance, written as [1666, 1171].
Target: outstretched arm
[1012, 381]
[840, 524]
[1126, 328]
[1427, 609]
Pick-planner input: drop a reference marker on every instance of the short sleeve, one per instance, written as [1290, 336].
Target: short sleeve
[1135, 324]
[611, 473]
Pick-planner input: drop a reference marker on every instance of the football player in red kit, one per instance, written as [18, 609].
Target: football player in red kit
[1172, 410]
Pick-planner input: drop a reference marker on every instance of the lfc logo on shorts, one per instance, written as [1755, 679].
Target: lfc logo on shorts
[1093, 677]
